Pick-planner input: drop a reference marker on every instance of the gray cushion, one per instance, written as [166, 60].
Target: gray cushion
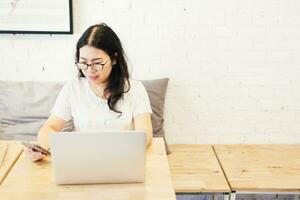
[156, 90]
[24, 108]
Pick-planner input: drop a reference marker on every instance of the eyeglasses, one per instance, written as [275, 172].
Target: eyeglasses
[94, 66]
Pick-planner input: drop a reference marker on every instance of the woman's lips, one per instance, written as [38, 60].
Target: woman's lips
[93, 77]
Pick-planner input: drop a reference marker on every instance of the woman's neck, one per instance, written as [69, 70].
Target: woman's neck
[98, 89]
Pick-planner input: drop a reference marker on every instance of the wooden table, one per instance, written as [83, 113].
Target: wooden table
[28, 180]
[9, 153]
[261, 168]
[195, 169]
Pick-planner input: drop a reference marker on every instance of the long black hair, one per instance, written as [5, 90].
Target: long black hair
[103, 37]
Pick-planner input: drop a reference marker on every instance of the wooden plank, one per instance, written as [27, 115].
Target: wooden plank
[30, 181]
[195, 168]
[9, 153]
[3, 150]
[261, 168]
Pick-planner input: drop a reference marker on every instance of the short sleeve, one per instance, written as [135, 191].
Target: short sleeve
[62, 106]
[142, 103]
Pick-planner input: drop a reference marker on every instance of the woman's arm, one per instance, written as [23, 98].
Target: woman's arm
[143, 122]
[53, 124]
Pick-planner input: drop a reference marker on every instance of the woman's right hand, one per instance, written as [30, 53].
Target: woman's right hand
[33, 155]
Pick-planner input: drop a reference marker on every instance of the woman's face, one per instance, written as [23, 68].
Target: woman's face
[91, 55]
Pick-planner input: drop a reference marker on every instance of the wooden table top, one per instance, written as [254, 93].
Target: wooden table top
[9, 153]
[30, 181]
[261, 168]
[195, 168]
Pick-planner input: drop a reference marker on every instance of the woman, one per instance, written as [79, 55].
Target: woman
[103, 97]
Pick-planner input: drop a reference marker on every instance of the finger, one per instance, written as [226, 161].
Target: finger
[33, 155]
[33, 152]
[38, 158]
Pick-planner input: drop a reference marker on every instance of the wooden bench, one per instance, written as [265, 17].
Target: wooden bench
[265, 171]
[268, 169]
[195, 169]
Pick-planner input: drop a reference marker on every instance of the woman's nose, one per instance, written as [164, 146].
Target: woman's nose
[89, 69]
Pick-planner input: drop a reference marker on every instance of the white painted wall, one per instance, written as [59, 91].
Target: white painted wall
[233, 65]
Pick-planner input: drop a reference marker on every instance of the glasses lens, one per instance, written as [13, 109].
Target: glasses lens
[81, 66]
[97, 66]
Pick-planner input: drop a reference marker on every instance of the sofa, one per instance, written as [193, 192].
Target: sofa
[25, 106]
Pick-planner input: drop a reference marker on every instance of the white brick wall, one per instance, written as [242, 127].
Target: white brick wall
[233, 65]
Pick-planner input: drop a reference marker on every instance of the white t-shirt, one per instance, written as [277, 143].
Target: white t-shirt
[89, 112]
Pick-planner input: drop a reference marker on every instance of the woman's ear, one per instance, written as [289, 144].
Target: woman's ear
[115, 59]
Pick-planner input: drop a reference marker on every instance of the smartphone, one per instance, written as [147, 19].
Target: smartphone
[37, 148]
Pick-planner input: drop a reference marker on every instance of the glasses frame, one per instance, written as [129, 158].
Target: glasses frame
[92, 65]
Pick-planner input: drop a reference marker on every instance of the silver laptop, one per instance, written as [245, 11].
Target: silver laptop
[98, 157]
